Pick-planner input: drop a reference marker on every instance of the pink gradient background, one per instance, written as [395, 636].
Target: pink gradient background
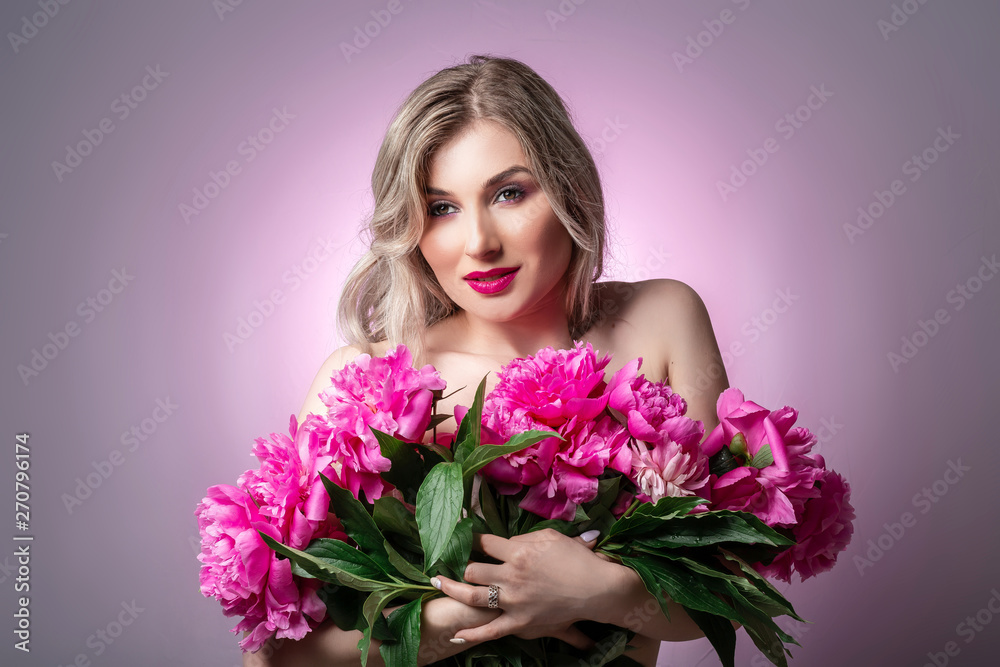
[135, 537]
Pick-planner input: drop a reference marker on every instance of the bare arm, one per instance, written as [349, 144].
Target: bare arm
[679, 321]
[329, 646]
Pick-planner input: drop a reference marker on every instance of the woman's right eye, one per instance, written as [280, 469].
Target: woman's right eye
[435, 209]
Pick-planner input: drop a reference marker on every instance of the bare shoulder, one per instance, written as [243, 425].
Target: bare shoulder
[661, 320]
[647, 296]
[336, 361]
[660, 303]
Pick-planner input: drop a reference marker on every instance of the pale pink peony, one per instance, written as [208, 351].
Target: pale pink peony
[561, 391]
[823, 531]
[668, 469]
[386, 393]
[285, 499]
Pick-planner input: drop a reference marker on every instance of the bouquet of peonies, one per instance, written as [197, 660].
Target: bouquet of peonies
[360, 507]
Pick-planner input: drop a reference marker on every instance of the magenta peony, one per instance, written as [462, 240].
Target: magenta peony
[561, 391]
[285, 499]
[823, 531]
[386, 393]
[774, 493]
[666, 459]
[796, 492]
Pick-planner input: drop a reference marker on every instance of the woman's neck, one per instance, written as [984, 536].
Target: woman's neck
[518, 338]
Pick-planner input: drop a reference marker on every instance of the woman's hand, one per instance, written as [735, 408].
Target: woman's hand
[547, 581]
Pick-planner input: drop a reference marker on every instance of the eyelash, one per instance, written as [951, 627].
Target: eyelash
[518, 191]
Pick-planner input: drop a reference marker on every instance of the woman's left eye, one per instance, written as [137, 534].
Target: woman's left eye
[514, 191]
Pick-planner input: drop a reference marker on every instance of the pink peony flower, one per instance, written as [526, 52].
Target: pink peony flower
[668, 469]
[775, 493]
[666, 459]
[285, 499]
[652, 410]
[589, 448]
[386, 393]
[822, 532]
[561, 391]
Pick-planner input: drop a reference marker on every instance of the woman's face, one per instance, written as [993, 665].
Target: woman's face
[490, 235]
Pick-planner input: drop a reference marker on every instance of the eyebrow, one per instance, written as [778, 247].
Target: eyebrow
[493, 180]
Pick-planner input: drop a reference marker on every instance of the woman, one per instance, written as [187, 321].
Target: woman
[486, 242]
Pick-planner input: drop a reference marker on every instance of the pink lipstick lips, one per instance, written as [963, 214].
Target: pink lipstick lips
[492, 281]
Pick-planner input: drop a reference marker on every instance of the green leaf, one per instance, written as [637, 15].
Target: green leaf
[406, 465]
[434, 454]
[600, 519]
[719, 632]
[488, 505]
[437, 419]
[763, 458]
[357, 522]
[405, 624]
[405, 567]
[681, 585]
[469, 433]
[372, 611]
[715, 527]
[439, 507]
[334, 561]
[607, 491]
[392, 517]
[486, 453]
[770, 600]
[456, 556]
[344, 605]
[649, 517]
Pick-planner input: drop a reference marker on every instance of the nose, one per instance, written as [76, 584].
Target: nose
[482, 240]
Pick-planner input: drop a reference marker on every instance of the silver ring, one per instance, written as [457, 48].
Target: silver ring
[493, 601]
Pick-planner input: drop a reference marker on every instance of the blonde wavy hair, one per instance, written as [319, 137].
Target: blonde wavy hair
[391, 294]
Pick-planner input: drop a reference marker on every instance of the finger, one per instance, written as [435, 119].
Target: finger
[473, 596]
[574, 637]
[483, 573]
[493, 545]
[502, 626]
[589, 539]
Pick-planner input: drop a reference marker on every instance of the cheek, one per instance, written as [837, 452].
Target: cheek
[436, 248]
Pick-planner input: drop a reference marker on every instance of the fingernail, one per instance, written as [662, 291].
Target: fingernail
[457, 640]
[590, 535]
[436, 583]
